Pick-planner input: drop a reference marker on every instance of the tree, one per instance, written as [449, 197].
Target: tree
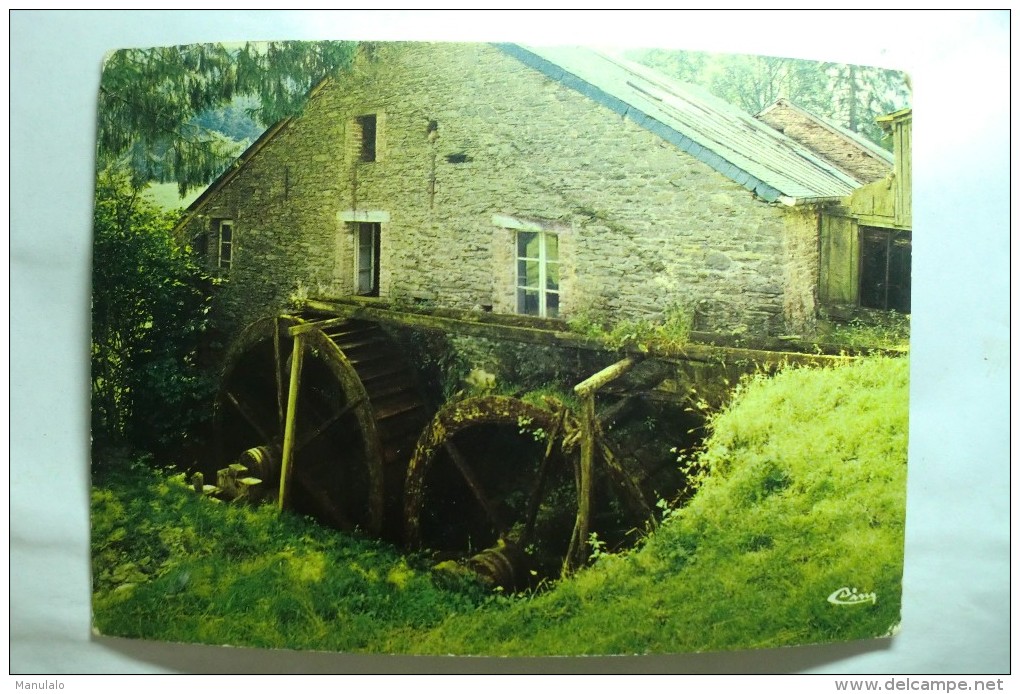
[150, 306]
[851, 95]
[861, 93]
[150, 100]
[150, 314]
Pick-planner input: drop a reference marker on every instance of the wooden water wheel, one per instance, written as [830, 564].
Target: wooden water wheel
[491, 480]
[324, 417]
[354, 412]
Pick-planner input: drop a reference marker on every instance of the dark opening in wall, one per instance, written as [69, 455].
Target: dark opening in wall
[369, 247]
[458, 158]
[885, 269]
[367, 126]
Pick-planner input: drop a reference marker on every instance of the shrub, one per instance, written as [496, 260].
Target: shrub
[150, 305]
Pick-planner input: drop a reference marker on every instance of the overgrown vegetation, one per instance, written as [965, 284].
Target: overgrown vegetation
[672, 332]
[150, 305]
[155, 104]
[802, 494]
[883, 330]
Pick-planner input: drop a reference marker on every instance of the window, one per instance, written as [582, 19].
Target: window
[538, 274]
[885, 269]
[225, 234]
[367, 131]
[367, 258]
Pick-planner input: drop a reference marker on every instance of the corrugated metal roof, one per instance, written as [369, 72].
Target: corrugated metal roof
[714, 131]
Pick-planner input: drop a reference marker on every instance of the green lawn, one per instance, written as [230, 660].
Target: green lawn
[803, 494]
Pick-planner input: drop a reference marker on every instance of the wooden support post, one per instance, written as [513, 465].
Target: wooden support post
[290, 422]
[278, 365]
[576, 553]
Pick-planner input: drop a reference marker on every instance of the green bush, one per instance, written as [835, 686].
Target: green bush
[150, 305]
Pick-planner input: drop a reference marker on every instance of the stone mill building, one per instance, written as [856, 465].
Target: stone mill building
[547, 182]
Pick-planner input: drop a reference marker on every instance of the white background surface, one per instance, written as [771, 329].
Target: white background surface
[956, 603]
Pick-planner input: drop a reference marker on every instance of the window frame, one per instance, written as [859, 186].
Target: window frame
[375, 252]
[228, 263]
[522, 288]
[368, 148]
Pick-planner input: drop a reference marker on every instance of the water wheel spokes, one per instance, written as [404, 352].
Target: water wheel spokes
[462, 465]
[356, 414]
[488, 484]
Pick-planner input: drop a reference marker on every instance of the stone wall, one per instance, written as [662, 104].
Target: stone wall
[469, 137]
[854, 159]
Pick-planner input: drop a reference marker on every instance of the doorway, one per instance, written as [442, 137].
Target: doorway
[367, 258]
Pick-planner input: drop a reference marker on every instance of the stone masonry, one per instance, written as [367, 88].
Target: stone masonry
[471, 145]
[827, 142]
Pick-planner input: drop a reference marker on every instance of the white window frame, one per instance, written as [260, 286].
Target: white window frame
[543, 265]
[221, 244]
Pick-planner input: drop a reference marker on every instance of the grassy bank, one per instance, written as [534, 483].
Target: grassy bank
[803, 495]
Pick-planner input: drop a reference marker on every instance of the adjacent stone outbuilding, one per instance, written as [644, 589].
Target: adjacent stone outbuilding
[546, 182]
[850, 151]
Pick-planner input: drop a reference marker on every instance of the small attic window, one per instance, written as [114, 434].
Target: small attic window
[225, 243]
[367, 131]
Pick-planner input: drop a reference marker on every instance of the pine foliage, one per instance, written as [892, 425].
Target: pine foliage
[150, 99]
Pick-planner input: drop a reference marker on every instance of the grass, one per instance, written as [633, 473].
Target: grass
[802, 493]
[170, 565]
[884, 330]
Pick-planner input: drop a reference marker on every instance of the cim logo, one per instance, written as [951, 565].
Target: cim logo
[850, 596]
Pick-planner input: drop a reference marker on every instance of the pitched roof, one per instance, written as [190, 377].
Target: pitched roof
[714, 131]
[855, 138]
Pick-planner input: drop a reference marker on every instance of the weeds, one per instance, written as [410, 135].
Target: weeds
[671, 333]
[882, 330]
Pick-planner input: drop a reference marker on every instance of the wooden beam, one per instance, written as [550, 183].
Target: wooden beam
[290, 423]
[303, 328]
[612, 372]
[513, 328]
[476, 487]
[278, 365]
[333, 419]
[577, 553]
[249, 417]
